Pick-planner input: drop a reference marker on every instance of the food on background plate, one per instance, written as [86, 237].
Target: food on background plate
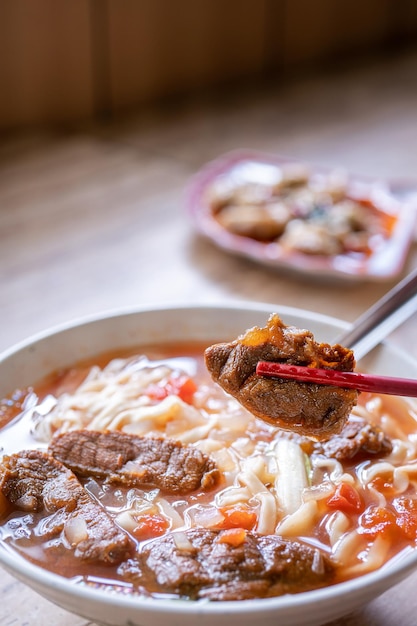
[263, 513]
[306, 219]
[305, 408]
[309, 212]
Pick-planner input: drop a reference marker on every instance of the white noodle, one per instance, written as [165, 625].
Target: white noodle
[402, 451]
[345, 550]
[300, 522]
[253, 488]
[399, 477]
[182, 542]
[210, 445]
[267, 513]
[378, 498]
[195, 434]
[259, 466]
[244, 446]
[232, 496]
[224, 460]
[252, 482]
[318, 492]
[331, 468]
[171, 513]
[392, 427]
[336, 525]
[291, 479]
[127, 521]
[372, 558]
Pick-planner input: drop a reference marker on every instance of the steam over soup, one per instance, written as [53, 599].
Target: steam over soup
[140, 472]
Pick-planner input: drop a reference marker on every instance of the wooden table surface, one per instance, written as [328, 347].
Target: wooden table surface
[94, 220]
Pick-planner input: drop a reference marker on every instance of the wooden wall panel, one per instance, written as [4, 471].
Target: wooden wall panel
[324, 29]
[45, 62]
[171, 47]
[68, 60]
[409, 24]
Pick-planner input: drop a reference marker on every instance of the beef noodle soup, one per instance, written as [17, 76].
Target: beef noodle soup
[138, 472]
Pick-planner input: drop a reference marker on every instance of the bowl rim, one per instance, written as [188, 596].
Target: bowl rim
[84, 320]
[39, 578]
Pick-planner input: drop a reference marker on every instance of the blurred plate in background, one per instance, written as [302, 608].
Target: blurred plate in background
[294, 216]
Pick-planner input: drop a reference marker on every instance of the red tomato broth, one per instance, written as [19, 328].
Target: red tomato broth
[396, 521]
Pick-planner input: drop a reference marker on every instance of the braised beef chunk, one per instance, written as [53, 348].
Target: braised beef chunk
[136, 461]
[201, 563]
[306, 408]
[358, 437]
[35, 482]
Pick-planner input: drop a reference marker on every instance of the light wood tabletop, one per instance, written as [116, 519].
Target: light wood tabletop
[94, 220]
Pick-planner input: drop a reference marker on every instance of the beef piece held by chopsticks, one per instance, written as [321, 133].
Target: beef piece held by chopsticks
[310, 409]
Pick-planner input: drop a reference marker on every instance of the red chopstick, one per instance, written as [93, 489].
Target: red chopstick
[351, 380]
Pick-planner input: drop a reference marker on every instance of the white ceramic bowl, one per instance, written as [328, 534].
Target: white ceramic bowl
[35, 358]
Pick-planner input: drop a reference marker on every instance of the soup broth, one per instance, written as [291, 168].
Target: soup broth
[355, 512]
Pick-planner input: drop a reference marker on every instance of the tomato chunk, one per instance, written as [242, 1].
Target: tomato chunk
[406, 509]
[346, 499]
[182, 386]
[150, 526]
[398, 523]
[384, 484]
[185, 388]
[234, 536]
[238, 517]
[377, 520]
